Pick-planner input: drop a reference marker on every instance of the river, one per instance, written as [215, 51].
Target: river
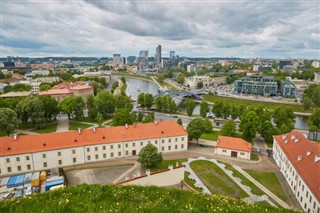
[150, 87]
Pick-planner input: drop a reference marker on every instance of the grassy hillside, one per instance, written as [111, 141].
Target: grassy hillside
[111, 198]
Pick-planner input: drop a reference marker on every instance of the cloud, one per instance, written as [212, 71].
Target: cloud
[199, 29]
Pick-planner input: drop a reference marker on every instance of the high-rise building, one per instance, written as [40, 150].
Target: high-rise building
[116, 59]
[157, 56]
[172, 54]
[143, 59]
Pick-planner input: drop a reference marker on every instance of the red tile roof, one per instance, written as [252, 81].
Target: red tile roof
[233, 143]
[84, 87]
[307, 168]
[61, 140]
[56, 92]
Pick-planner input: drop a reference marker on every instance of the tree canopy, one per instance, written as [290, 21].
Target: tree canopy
[228, 129]
[149, 156]
[8, 120]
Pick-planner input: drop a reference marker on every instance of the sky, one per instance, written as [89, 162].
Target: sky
[205, 28]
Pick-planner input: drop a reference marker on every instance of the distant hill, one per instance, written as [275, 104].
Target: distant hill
[112, 198]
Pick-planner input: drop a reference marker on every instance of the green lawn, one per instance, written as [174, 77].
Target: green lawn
[244, 180]
[236, 101]
[190, 182]
[114, 198]
[164, 164]
[254, 157]
[75, 126]
[270, 181]
[216, 180]
[210, 136]
[28, 125]
[47, 129]
[2, 133]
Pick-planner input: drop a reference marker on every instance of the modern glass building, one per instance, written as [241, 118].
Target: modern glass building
[256, 85]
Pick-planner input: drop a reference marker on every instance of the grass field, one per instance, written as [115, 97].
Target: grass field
[236, 101]
[216, 180]
[270, 181]
[210, 136]
[75, 126]
[254, 157]
[164, 164]
[47, 129]
[113, 198]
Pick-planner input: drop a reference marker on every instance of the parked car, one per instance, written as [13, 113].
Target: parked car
[29, 191]
[175, 116]
[37, 189]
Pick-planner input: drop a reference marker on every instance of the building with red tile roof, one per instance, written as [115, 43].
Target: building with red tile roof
[299, 162]
[233, 147]
[29, 153]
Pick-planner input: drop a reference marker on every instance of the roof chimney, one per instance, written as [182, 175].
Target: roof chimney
[286, 141]
[126, 126]
[284, 137]
[15, 136]
[299, 158]
[134, 125]
[316, 158]
[296, 140]
[79, 131]
[308, 153]
[293, 137]
[94, 129]
[156, 122]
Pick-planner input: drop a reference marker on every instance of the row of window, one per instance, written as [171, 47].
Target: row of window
[18, 168]
[17, 159]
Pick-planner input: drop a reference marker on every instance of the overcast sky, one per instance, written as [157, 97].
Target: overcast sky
[100, 28]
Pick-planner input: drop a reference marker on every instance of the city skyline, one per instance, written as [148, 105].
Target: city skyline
[194, 29]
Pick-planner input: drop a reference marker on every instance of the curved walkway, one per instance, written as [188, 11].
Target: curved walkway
[247, 189]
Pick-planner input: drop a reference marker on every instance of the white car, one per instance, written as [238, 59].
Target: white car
[29, 191]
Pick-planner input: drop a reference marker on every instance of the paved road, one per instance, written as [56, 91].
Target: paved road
[63, 124]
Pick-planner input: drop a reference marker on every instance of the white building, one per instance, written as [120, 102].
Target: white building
[194, 80]
[299, 162]
[316, 64]
[28, 153]
[116, 60]
[233, 147]
[40, 72]
[317, 77]
[190, 68]
[34, 83]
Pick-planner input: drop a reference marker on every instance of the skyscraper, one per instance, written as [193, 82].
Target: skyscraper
[157, 56]
[116, 59]
[143, 59]
[172, 54]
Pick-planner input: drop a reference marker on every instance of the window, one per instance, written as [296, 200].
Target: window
[242, 153]
[88, 149]
[301, 199]
[119, 146]
[74, 160]
[302, 187]
[127, 153]
[310, 199]
[162, 141]
[134, 144]
[111, 147]
[176, 146]
[176, 139]
[73, 151]
[305, 205]
[27, 158]
[307, 193]
[9, 169]
[97, 156]
[96, 148]
[44, 155]
[182, 146]
[111, 154]
[104, 147]
[104, 155]
[18, 159]
[169, 147]
[119, 154]
[28, 166]
[88, 157]
[45, 164]
[149, 142]
[182, 139]
[156, 142]
[162, 148]
[8, 160]
[60, 162]
[59, 153]
[298, 194]
[126, 145]
[314, 204]
[169, 140]
[224, 150]
[19, 168]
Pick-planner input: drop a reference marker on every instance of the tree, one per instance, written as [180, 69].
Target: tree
[207, 125]
[8, 120]
[228, 129]
[149, 156]
[67, 106]
[190, 105]
[180, 78]
[21, 110]
[149, 118]
[122, 117]
[268, 131]
[36, 112]
[78, 108]
[50, 105]
[140, 116]
[91, 106]
[234, 111]
[284, 120]
[226, 111]
[148, 100]
[204, 109]
[44, 86]
[314, 122]
[140, 99]
[21, 87]
[1, 75]
[200, 85]
[172, 106]
[195, 129]
[159, 104]
[217, 109]
[123, 102]
[99, 119]
[307, 102]
[179, 121]
[105, 103]
[249, 124]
